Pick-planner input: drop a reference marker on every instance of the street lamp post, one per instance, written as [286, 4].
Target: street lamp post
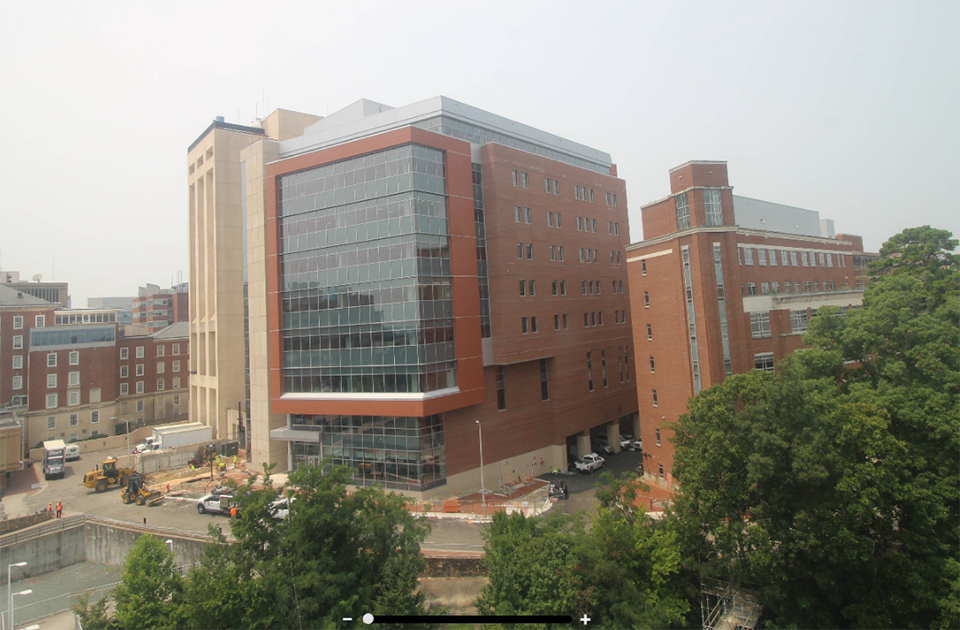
[169, 541]
[9, 590]
[26, 592]
[483, 488]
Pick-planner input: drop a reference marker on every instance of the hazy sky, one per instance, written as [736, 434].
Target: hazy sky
[851, 109]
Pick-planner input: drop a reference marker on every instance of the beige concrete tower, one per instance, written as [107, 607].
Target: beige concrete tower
[217, 362]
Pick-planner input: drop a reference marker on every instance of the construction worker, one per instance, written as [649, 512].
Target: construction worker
[49, 507]
[233, 512]
[234, 461]
[59, 508]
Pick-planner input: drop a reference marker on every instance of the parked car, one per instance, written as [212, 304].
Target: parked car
[72, 452]
[625, 441]
[280, 508]
[600, 446]
[636, 445]
[589, 463]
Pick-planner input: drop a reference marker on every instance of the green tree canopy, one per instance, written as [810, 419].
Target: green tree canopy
[149, 589]
[833, 485]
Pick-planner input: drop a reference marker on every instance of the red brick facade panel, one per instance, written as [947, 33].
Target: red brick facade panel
[7, 351]
[96, 368]
[689, 175]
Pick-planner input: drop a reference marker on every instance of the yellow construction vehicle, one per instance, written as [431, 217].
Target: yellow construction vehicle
[135, 492]
[106, 473]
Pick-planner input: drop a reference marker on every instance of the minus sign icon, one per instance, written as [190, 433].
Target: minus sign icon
[348, 618]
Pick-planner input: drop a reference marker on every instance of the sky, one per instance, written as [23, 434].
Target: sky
[851, 109]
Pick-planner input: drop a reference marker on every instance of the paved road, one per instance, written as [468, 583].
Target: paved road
[57, 591]
[583, 487]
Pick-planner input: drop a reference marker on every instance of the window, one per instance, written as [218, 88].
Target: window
[531, 289]
[563, 287]
[553, 287]
[523, 325]
[763, 361]
[657, 436]
[139, 352]
[501, 390]
[94, 395]
[176, 382]
[556, 189]
[18, 342]
[124, 353]
[40, 321]
[161, 350]
[597, 284]
[593, 318]
[74, 358]
[565, 321]
[139, 405]
[793, 259]
[140, 369]
[560, 252]
[616, 228]
[526, 182]
[520, 251]
[18, 361]
[626, 360]
[765, 287]
[610, 227]
[94, 417]
[139, 389]
[556, 322]
[73, 398]
[618, 258]
[711, 201]
[590, 286]
[762, 257]
[176, 366]
[596, 257]
[816, 285]
[591, 195]
[51, 401]
[649, 332]
[161, 366]
[546, 185]
[603, 366]
[579, 224]
[523, 288]
[806, 259]
[176, 400]
[646, 299]
[581, 255]
[796, 287]
[73, 379]
[748, 256]
[785, 257]
[18, 322]
[583, 287]
[51, 381]
[176, 348]
[74, 419]
[760, 325]
[51, 423]
[773, 258]
[775, 287]
[576, 192]
[798, 321]
[517, 214]
[599, 318]
[124, 371]
[813, 259]
[549, 219]
[544, 384]
[683, 212]
[586, 320]
[17, 382]
[160, 384]
[124, 389]
[529, 251]
[516, 178]
[653, 366]
[656, 401]
[807, 286]
[593, 225]
[787, 287]
[613, 198]
[643, 267]
[590, 370]
[52, 359]
[751, 288]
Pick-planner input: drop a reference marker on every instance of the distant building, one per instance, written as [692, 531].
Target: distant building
[49, 291]
[123, 306]
[691, 326]
[158, 308]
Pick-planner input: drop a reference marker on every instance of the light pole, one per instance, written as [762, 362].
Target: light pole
[9, 590]
[483, 491]
[169, 541]
[26, 592]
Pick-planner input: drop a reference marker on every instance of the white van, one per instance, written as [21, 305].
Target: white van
[72, 452]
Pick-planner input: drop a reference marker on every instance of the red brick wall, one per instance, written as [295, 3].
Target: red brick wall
[659, 219]
[97, 367]
[708, 175]
[7, 333]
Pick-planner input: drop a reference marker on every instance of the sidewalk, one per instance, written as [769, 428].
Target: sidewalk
[23, 483]
[54, 593]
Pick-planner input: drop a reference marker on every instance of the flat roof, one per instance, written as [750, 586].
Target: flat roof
[217, 124]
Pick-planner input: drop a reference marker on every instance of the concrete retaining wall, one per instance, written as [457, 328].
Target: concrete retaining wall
[24, 522]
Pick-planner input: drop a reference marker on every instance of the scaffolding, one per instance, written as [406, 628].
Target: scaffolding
[726, 607]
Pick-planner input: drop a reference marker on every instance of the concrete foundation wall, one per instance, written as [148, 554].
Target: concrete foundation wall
[109, 543]
[44, 548]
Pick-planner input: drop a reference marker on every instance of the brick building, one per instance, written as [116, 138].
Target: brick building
[19, 313]
[158, 308]
[153, 376]
[411, 273]
[723, 284]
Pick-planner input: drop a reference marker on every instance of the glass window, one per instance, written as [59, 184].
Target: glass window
[51, 423]
[40, 321]
[74, 378]
[533, 324]
[563, 287]
[784, 257]
[760, 325]
[590, 371]
[765, 287]
[124, 353]
[748, 255]
[649, 332]
[139, 352]
[74, 358]
[124, 389]
[52, 359]
[517, 214]
[94, 417]
[73, 398]
[653, 366]
[516, 178]
[798, 321]
[139, 389]
[18, 322]
[526, 183]
[751, 288]
[17, 382]
[18, 342]
[762, 257]
[523, 325]
[763, 361]
[646, 299]
[176, 348]
[51, 381]
[51, 401]
[683, 212]
[520, 250]
[773, 257]
[711, 201]
[501, 389]
[18, 361]
[544, 382]
[656, 401]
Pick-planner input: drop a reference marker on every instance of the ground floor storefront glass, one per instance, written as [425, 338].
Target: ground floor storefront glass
[402, 453]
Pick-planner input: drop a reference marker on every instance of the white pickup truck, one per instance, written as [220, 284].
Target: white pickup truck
[589, 463]
[215, 504]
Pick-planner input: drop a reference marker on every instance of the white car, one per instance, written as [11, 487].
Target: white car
[636, 445]
[625, 441]
[280, 508]
[589, 463]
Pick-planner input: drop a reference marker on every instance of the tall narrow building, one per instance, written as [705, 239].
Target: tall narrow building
[720, 285]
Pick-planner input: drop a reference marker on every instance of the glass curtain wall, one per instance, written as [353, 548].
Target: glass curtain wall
[367, 302]
[404, 453]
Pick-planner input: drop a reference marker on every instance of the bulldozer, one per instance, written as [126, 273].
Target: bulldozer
[134, 491]
[106, 473]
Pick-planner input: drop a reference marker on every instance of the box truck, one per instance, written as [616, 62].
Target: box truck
[54, 455]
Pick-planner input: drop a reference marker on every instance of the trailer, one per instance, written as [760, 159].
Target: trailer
[183, 435]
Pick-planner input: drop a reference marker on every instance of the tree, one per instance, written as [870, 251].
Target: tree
[334, 554]
[833, 484]
[624, 571]
[149, 589]
[92, 615]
